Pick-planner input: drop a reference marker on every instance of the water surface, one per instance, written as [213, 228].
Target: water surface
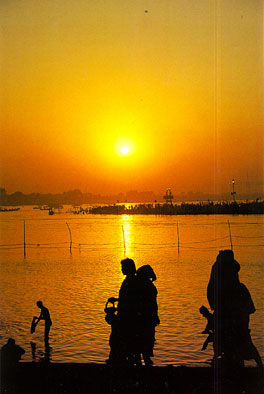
[76, 286]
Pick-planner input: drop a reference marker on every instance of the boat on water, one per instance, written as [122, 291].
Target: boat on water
[42, 207]
[9, 209]
[50, 209]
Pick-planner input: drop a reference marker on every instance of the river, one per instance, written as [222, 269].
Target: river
[75, 284]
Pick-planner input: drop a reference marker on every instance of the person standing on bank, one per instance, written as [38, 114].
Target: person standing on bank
[44, 315]
[123, 336]
[147, 312]
[232, 305]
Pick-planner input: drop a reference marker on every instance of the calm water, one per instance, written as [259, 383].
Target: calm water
[76, 286]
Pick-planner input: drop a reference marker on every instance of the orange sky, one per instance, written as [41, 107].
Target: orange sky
[181, 85]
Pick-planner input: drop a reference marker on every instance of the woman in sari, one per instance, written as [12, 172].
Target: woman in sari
[147, 313]
[232, 305]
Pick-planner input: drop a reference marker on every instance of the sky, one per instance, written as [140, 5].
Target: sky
[108, 96]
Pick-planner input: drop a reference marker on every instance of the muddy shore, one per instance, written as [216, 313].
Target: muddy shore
[76, 378]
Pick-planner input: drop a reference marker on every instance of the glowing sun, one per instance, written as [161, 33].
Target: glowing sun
[124, 150]
[124, 147]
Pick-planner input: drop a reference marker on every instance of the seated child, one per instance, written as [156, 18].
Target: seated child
[116, 354]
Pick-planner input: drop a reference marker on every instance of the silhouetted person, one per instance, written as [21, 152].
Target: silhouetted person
[122, 338]
[224, 280]
[117, 346]
[10, 356]
[11, 353]
[128, 289]
[127, 309]
[232, 305]
[147, 312]
[44, 315]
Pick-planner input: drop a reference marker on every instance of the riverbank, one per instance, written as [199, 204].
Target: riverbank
[77, 378]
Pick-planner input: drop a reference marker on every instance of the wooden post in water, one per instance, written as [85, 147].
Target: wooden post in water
[230, 236]
[124, 241]
[70, 238]
[178, 238]
[24, 239]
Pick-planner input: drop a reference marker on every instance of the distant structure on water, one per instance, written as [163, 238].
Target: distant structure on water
[233, 193]
[168, 196]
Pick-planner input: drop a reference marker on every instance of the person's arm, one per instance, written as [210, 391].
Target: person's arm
[21, 350]
[40, 317]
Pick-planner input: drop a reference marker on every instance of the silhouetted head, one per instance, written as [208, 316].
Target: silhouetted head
[225, 271]
[11, 341]
[128, 266]
[226, 254]
[39, 304]
[146, 272]
[227, 261]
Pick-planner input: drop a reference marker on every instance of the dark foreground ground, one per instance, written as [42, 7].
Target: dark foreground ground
[58, 378]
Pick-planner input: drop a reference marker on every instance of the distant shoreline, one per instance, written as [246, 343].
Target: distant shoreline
[76, 197]
[192, 208]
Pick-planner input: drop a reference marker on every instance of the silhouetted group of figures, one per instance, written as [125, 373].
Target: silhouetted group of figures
[232, 305]
[133, 322]
[133, 317]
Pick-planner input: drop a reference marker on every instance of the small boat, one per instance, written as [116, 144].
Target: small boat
[9, 209]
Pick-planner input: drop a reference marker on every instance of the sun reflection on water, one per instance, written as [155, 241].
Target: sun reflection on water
[126, 234]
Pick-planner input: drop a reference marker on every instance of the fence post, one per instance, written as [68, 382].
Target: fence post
[70, 238]
[230, 236]
[24, 239]
[178, 238]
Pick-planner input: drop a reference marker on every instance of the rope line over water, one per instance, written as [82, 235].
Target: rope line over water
[126, 245]
[83, 246]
